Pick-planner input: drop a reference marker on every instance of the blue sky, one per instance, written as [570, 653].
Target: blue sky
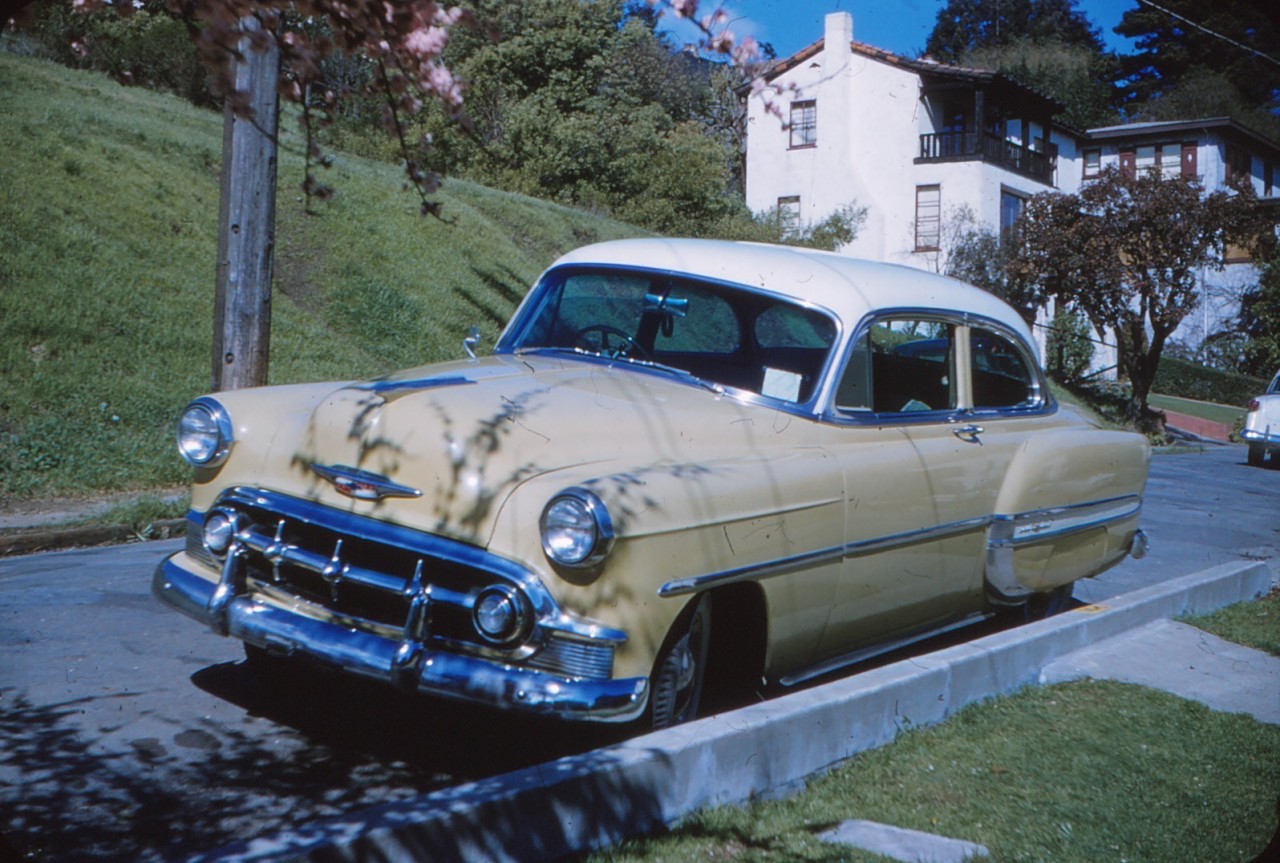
[901, 26]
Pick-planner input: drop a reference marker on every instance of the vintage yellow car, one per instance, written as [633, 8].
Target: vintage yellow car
[687, 467]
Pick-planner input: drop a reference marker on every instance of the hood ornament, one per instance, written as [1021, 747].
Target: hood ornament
[362, 484]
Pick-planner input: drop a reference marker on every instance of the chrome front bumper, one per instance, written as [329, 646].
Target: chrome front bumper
[406, 663]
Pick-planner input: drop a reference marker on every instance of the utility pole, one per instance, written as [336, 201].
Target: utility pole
[247, 221]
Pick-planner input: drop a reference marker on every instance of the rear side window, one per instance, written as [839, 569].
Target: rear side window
[1001, 378]
[901, 365]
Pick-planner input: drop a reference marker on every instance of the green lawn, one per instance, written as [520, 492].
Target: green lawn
[1225, 414]
[108, 230]
[1072, 773]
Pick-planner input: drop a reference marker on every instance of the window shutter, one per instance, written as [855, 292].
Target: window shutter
[1189, 168]
[1128, 164]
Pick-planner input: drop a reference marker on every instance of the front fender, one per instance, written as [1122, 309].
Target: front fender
[674, 521]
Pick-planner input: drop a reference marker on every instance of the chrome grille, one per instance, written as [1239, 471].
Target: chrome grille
[359, 568]
[396, 582]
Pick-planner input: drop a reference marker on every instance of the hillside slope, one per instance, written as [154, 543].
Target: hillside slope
[108, 209]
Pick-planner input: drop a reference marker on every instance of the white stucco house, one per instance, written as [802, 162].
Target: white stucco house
[923, 145]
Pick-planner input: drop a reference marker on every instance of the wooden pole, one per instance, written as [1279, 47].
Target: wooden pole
[247, 223]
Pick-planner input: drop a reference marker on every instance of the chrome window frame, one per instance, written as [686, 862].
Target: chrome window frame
[808, 409]
[1044, 404]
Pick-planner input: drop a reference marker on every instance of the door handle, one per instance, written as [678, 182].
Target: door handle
[969, 433]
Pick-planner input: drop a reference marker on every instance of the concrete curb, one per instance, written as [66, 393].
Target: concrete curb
[600, 798]
[31, 540]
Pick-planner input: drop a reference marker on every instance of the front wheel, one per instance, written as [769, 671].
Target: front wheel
[681, 670]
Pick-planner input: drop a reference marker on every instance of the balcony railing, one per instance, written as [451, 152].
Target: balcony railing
[963, 146]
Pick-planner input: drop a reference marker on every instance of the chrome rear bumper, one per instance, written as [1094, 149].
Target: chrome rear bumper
[405, 663]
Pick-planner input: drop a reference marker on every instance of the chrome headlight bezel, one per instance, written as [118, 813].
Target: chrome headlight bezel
[205, 433]
[576, 529]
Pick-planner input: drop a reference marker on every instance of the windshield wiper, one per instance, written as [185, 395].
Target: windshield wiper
[683, 374]
[674, 371]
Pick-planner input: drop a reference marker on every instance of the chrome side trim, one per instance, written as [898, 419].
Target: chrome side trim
[1008, 532]
[1005, 532]
[1035, 525]
[770, 569]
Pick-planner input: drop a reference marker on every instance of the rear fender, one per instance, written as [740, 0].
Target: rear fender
[1068, 510]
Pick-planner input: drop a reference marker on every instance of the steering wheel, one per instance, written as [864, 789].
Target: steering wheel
[604, 342]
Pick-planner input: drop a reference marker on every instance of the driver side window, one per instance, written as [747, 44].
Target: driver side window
[900, 365]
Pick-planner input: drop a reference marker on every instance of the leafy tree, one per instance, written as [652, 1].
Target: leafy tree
[587, 104]
[153, 47]
[1068, 348]
[838, 228]
[1127, 251]
[965, 26]
[974, 253]
[404, 44]
[1186, 43]
[1260, 323]
[1076, 74]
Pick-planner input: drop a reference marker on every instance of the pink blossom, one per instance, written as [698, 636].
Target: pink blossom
[684, 8]
[441, 82]
[426, 41]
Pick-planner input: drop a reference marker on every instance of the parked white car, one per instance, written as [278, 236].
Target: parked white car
[1262, 425]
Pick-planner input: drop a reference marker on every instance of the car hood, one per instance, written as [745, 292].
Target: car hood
[460, 437]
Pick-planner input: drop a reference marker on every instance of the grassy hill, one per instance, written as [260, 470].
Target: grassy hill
[108, 231]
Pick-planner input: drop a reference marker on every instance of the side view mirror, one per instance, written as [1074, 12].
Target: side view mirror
[471, 342]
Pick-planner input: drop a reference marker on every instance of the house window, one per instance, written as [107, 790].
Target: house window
[788, 215]
[1092, 163]
[928, 218]
[1146, 158]
[1237, 163]
[1163, 160]
[1011, 204]
[804, 124]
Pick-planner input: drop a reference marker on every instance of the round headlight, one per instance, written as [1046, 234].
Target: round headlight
[576, 529]
[499, 614]
[219, 531]
[204, 433]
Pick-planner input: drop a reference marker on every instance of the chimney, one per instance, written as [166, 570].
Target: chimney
[838, 33]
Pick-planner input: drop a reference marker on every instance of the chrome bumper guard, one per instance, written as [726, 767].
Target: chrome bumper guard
[407, 663]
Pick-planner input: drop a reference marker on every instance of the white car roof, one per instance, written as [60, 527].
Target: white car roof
[850, 287]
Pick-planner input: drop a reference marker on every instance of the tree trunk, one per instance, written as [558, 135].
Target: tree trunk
[1144, 366]
[247, 223]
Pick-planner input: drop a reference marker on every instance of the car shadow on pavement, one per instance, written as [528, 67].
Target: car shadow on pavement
[449, 741]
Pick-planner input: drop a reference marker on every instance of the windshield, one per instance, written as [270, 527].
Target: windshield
[720, 334]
